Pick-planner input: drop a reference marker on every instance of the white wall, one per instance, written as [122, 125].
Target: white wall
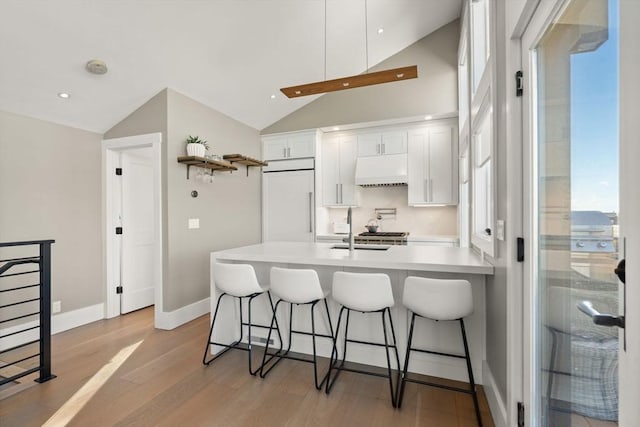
[437, 220]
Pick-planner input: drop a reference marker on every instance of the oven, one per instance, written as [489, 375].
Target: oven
[382, 238]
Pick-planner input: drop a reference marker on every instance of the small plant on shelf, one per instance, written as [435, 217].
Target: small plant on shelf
[196, 146]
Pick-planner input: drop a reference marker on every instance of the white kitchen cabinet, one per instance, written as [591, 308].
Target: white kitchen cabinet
[432, 166]
[289, 146]
[381, 143]
[339, 171]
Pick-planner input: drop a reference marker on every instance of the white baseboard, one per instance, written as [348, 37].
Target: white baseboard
[172, 319]
[59, 323]
[496, 402]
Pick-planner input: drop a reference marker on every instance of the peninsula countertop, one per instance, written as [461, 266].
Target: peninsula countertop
[417, 258]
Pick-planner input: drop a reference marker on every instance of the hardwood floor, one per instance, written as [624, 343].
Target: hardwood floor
[164, 383]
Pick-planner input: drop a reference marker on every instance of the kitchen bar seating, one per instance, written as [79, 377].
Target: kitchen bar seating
[237, 281]
[438, 300]
[366, 293]
[299, 287]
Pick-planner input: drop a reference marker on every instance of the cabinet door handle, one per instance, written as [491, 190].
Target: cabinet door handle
[341, 199]
[284, 152]
[383, 148]
[426, 189]
[377, 148]
[430, 190]
[310, 212]
[288, 151]
[337, 197]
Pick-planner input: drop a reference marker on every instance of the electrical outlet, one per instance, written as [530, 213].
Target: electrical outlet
[56, 307]
[194, 223]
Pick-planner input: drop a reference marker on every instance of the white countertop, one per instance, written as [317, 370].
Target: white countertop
[417, 258]
[411, 237]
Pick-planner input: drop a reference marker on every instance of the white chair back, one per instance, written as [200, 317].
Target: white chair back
[238, 280]
[438, 299]
[299, 286]
[362, 291]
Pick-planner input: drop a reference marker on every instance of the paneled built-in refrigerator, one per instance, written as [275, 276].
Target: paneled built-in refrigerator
[288, 201]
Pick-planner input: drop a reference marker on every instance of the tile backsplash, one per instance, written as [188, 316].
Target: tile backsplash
[421, 221]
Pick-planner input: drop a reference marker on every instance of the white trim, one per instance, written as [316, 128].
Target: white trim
[494, 398]
[525, 17]
[109, 148]
[59, 323]
[172, 319]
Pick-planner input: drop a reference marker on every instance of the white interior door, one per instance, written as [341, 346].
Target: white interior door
[138, 237]
[580, 125]
[288, 206]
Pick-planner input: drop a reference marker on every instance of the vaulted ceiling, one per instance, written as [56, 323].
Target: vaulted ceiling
[231, 55]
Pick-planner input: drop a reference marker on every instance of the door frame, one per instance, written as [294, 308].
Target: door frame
[110, 151]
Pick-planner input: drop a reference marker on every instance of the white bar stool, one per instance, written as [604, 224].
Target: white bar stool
[238, 281]
[299, 287]
[438, 299]
[366, 293]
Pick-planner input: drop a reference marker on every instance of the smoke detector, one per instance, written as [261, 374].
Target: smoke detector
[96, 66]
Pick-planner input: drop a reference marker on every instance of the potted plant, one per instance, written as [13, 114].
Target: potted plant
[196, 146]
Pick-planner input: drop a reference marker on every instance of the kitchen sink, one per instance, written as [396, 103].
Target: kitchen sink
[363, 247]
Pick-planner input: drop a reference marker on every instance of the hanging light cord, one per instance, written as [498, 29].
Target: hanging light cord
[325, 39]
[366, 37]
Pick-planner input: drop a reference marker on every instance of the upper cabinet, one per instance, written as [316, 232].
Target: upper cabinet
[339, 171]
[381, 143]
[433, 165]
[289, 146]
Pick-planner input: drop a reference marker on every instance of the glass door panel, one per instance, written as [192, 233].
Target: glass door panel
[576, 80]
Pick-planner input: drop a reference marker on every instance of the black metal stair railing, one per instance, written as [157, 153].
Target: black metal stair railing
[18, 303]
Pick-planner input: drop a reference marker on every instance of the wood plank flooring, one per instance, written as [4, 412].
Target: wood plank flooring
[164, 383]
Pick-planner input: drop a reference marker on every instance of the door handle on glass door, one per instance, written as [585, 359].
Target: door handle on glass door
[598, 318]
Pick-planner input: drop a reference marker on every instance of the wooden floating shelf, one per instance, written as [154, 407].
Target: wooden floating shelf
[201, 162]
[244, 160]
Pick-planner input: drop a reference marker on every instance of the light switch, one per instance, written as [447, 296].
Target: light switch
[500, 229]
[194, 223]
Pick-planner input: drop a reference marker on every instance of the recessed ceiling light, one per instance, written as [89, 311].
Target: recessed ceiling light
[380, 30]
[428, 117]
[336, 128]
[273, 97]
[64, 95]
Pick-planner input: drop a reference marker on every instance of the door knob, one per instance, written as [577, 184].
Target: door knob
[598, 318]
[619, 270]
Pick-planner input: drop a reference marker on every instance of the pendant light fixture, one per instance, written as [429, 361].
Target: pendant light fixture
[359, 80]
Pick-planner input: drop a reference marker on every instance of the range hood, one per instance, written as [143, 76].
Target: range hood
[386, 170]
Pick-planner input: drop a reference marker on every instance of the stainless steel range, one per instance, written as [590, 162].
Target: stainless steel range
[382, 238]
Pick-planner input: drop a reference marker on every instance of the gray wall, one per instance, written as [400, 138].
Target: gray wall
[433, 92]
[50, 188]
[228, 208]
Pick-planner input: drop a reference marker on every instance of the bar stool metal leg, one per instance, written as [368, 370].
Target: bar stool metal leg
[386, 352]
[403, 382]
[280, 354]
[474, 392]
